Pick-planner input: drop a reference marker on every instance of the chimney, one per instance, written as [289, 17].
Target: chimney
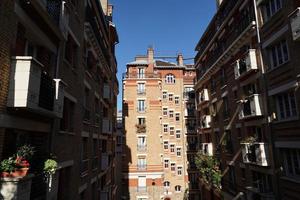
[104, 4]
[219, 2]
[150, 54]
[180, 60]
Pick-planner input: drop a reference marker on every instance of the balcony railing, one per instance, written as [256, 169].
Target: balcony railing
[142, 148]
[246, 65]
[141, 189]
[141, 92]
[295, 24]
[141, 76]
[141, 167]
[33, 89]
[141, 128]
[251, 107]
[106, 126]
[104, 161]
[255, 153]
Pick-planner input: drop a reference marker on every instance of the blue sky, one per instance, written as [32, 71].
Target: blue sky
[170, 26]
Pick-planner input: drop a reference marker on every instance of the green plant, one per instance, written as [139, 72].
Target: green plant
[50, 166]
[209, 169]
[25, 152]
[249, 139]
[8, 165]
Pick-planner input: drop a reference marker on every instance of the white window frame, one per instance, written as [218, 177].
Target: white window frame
[164, 95]
[172, 128]
[173, 163]
[172, 148]
[177, 186]
[177, 100]
[166, 144]
[170, 79]
[176, 133]
[178, 150]
[165, 111]
[166, 163]
[165, 129]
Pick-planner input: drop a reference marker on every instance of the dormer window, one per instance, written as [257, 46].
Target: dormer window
[170, 79]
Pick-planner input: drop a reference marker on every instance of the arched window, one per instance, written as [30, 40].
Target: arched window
[166, 184]
[170, 78]
[178, 188]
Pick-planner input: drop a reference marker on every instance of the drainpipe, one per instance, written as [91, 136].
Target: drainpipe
[266, 102]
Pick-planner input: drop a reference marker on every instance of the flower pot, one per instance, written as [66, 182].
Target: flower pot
[20, 172]
[5, 174]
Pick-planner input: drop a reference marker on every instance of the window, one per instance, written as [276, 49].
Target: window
[223, 77]
[271, 7]
[95, 155]
[286, 105]
[86, 104]
[189, 93]
[166, 184]
[291, 158]
[166, 128]
[67, 122]
[141, 106]
[231, 178]
[141, 164]
[262, 182]
[179, 170]
[172, 130]
[176, 100]
[141, 121]
[71, 51]
[225, 108]
[178, 151]
[278, 54]
[84, 156]
[178, 134]
[170, 97]
[170, 79]
[141, 88]
[171, 113]
[177, 117]
[165, 95]
[141, 143]
[166, 163]
[166, 145]
[165, 111]
[213, 85]
[141, 72]
[173, 167]
[172, 148]
[178, 188]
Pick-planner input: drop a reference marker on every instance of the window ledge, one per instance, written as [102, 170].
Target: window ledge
[67, 132]
[277, 67]
[286, 178]
[286, 120]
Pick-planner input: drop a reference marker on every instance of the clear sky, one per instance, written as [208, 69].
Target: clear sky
[170, 26]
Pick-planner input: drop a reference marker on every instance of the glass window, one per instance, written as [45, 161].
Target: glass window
[292, 162]
[286, 105]
[177, 116]
[278, 54]
[170, 97]
[165, 111]
[271, 7]
[166, 128]
[141, 88]
[177, 100]
[172, 130]
[172, 148]
[173, 167]
[178, 134]
[165, 94]
[177, 188]
[170, 79]
[141, 106]
[166, 163]
[171, 113]
[178, 151]
[166, 145]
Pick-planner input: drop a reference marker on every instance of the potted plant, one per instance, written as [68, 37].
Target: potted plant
[249, 140]
[24, 153]
[50, 166]
[7, 166]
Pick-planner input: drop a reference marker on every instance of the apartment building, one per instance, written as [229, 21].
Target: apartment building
[157, 97]
[58, 93]
[246, 93]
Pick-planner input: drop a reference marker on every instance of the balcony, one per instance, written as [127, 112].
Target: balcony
[251, 107]
[255, 153]
[206, 149]
[295, 24]
[141, 76]
[106, 126]
[33, 89]
[206, 121]
[141, 148]
[246, 65]
[104, 161]
[203, 96]
[106, 91]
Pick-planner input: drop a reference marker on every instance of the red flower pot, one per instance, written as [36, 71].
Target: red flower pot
[20, 172]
